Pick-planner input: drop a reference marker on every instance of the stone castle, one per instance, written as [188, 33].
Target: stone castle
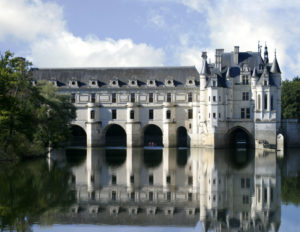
[236, 100]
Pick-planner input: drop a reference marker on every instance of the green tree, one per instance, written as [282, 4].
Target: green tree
[290, 97]
[31, 117]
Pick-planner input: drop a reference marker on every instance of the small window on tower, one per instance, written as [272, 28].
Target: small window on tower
[151, 114]
[190, 113]
[168, 114]
[93, 97]
[190, 97]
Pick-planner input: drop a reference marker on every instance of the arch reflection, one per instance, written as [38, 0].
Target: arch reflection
[180, 187]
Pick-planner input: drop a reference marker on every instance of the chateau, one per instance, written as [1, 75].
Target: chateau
[236, 100]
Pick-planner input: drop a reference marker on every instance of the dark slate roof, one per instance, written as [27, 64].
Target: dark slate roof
[253, 59]
[266, 72]
[275, 67]
[104, 75]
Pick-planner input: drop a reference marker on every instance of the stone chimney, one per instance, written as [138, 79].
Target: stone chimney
[219, 53]
[236, 55]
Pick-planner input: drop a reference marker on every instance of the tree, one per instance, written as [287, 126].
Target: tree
[290, 96]
[31, 117]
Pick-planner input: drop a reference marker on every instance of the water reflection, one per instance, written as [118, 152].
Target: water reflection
[225, 191]
[28, 191]
[219, 190]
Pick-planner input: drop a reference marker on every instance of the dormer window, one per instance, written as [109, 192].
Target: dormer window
[132, 83]
[93, 83]
[151, 83]
[214, 83]
[73, 83]
[266, 82]
[190, 82]
[169, 82]
[114, 83]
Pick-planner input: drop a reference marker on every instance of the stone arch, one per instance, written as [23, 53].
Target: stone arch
[182, 137]
[239, 137]
[78, 135]
[153, 135]
[114, 135]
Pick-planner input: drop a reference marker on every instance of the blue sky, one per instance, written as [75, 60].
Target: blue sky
[93, 33]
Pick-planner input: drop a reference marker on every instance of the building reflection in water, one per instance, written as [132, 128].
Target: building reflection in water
[225, 191]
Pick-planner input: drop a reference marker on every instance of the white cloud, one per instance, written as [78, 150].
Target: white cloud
[29, 19]
[244, 22]
[67, 50]
[42, 26]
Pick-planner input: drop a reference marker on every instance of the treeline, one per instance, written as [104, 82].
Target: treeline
[32, 118]
[290, 97]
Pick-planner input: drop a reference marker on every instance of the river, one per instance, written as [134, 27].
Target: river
[152, 189]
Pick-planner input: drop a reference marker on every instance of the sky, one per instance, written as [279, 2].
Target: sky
[117, 33]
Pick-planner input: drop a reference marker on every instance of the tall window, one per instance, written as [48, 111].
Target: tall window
[168, 114]
[73, 98]
[132, 179]
[132, 97]
[151, 114]
[150, 196]
[258, 102]
[169, 97]
[113, 195]
[266, 102]
[151, 180]
[92, 114]
[272, 103]
[150, 97]
[131, 114]
[114, 114]
[190, 97]
[190, 113]
[114, 97]
[265, 194]
[132, 196]
[93, 97]
[245, 80]
[190, 180]
[113, 179]
[214, 98]
[245, 96]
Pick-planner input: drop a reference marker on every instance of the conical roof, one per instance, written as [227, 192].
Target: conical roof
[275, 67]
[254, 74]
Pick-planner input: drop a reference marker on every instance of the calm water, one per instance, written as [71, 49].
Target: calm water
[152, 190]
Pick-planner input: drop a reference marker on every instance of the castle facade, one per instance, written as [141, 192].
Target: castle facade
[236, 100]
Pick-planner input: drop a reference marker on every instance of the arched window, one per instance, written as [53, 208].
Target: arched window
[131, 114]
